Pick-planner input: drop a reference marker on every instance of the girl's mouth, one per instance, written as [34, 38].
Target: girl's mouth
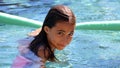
[62, 45]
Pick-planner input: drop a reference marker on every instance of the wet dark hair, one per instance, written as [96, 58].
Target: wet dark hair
[55, 14]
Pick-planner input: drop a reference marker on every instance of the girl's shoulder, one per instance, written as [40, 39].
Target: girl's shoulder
[23, 44]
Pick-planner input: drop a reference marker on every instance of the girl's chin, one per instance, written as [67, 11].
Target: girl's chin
[60, 48]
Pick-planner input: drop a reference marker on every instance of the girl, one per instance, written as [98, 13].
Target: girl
[56, 33]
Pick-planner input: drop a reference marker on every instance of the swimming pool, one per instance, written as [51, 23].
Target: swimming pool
[88, 49]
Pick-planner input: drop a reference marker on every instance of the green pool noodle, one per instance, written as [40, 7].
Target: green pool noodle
[97, 25]
[17, 20]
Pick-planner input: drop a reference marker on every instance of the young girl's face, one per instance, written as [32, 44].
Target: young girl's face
[60, 35]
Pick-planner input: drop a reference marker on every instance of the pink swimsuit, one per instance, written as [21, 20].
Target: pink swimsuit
[26, 58]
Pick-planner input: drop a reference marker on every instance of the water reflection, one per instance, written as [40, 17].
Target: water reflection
[15, 1]
[85, 10]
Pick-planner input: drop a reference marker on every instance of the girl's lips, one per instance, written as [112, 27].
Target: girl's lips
[62, 45]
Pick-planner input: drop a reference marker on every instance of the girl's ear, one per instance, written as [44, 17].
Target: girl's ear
[46, 29]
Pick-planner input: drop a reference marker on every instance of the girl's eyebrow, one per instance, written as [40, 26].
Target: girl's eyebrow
[63, 31]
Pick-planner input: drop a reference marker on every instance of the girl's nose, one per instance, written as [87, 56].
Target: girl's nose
[65, 40]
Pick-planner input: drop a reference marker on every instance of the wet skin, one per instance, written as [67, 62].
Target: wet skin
[60, 35]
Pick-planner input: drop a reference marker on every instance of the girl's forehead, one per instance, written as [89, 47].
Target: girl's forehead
[64, 26]
[64, 23]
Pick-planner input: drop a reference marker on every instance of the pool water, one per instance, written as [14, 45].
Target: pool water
[88, 49]
[8, 43]
[84, 10]
[92, 49]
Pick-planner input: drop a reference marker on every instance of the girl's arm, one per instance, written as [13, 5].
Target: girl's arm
[35, 32]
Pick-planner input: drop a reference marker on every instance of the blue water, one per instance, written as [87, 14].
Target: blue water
[88, 49]
[85, 10]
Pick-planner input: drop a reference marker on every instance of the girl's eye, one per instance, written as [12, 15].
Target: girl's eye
[70, 34]
[60, 33]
